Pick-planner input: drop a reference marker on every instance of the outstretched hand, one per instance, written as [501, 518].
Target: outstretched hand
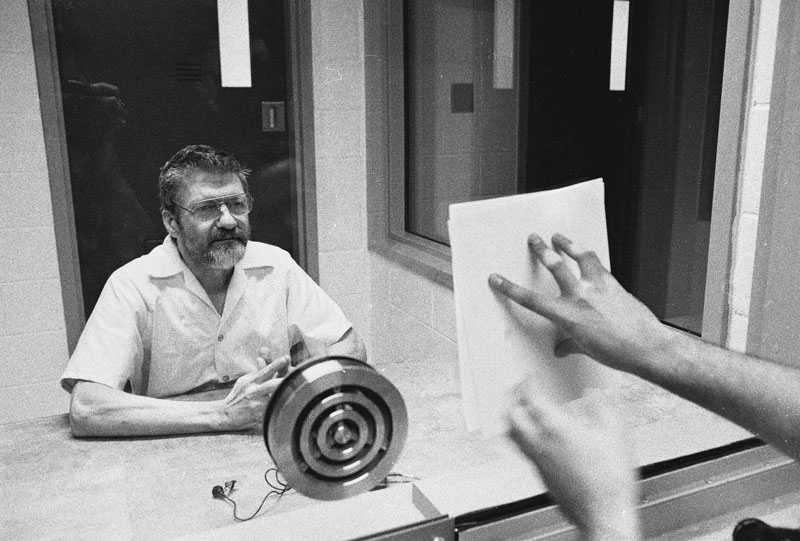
[594, 313]
[246, 403]
[582, 460]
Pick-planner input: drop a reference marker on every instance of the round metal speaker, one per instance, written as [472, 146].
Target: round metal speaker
[335, 427]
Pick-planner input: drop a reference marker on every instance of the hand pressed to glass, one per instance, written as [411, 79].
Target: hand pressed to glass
[210, 209]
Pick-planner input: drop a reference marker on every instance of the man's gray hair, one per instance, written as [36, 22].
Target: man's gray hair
[195, 158]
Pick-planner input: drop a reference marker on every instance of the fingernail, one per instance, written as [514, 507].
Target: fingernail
[536, 241]
[495, 280]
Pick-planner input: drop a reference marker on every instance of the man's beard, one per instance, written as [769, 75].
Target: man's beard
[224, 255]
[214, 254]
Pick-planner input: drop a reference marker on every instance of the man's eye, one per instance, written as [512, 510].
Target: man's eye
[208, 207]
[236, 206]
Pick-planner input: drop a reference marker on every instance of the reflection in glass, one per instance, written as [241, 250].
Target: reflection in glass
[651, 136]
[141, 80]
[461, 129]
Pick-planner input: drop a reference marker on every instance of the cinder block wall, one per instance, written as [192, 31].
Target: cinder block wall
[338, 58]
[751, 170]
[33, 342]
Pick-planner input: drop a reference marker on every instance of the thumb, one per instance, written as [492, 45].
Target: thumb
[263, 357]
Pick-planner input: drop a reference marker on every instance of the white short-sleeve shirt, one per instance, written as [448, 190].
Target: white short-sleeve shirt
[155, 326]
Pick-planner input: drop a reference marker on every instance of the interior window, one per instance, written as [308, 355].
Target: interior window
[507, 97]
[139, 82]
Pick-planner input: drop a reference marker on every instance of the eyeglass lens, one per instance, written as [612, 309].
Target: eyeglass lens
[237, 205]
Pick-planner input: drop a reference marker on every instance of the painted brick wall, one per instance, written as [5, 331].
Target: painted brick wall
[338, 57]
[751, 170]
[32, 333]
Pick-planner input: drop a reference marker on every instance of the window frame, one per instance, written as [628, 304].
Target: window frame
[385, 147]
[301, 123]
[386, 161]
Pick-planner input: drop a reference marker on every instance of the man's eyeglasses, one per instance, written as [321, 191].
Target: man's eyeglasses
[211, 209]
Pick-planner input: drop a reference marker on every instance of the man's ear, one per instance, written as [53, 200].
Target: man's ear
[171, 223]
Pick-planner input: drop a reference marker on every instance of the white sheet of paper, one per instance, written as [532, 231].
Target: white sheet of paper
[499, 342]
[234, 43]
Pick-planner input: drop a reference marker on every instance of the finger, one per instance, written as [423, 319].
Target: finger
[524, 431]
[264, 358]
[556, 264]
[543, 411]
[587, 260]
[532, 300]
[271, 369]
[268, 387]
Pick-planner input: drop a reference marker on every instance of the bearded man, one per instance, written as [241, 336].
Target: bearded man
[207, 309]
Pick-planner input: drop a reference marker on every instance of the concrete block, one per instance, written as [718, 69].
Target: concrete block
[31, 307]
[22, 144]
[19, 93]
[15, 28]
[36, 357]
[30, 254]
[25, 200]
[766, 42]
[344, 273]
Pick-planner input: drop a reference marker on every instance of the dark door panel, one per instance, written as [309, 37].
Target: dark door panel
[141, 80]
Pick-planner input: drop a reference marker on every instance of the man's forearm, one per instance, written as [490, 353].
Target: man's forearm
[100, 411]
[761, 396]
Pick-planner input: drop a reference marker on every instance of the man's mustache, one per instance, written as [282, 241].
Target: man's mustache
[236, 234]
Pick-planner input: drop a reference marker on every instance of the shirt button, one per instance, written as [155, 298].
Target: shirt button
[226, 378]
[220, 338]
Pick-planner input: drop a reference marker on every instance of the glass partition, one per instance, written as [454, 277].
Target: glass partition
[140, 80]
[585, 93]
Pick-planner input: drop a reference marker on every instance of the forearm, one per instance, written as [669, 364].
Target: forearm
[100, 411]
[761, 396]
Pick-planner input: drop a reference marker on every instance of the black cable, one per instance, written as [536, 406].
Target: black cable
[280, 488]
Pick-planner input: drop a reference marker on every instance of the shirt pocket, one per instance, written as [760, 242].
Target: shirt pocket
[182, 349]
[260, 318]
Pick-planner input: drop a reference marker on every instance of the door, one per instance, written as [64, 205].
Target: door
[139, 81]
[578, 127]
[653, 139]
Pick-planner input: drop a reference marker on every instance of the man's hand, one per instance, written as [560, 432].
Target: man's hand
[265, 359]
[246, 403]
[582, 459]
[594, 313]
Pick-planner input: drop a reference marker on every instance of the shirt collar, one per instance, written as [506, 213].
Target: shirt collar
[166, 261]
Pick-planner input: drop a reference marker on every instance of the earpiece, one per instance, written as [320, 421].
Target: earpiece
[220, 492]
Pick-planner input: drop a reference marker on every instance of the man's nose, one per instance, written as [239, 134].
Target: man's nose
[226, 219]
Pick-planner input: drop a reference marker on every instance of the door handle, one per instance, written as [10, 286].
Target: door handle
[273, 116]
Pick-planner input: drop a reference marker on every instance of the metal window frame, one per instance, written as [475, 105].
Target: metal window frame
[385, 150]
[301, 103]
